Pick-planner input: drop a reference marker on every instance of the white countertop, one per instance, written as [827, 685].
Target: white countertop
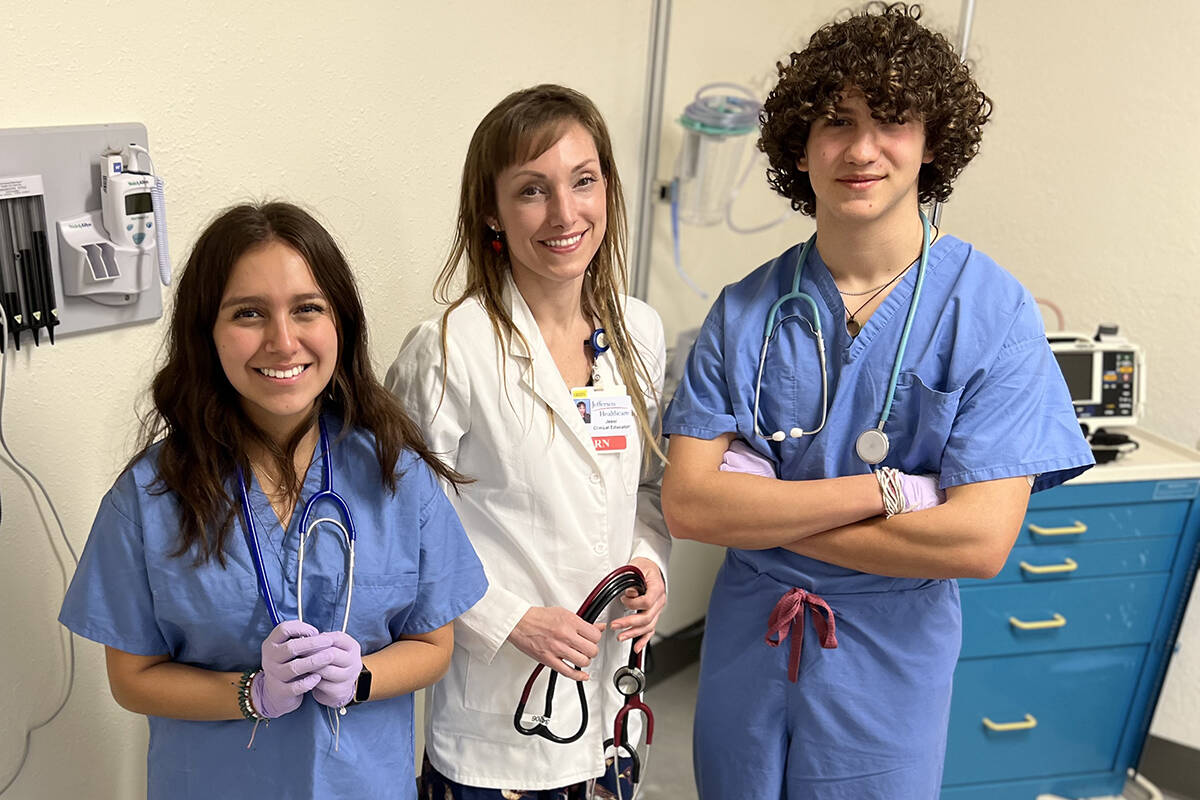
[1155, 459]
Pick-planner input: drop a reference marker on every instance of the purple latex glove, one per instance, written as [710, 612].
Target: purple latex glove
[740, 457]
[292, 654]
[903, 492]
[338, 679]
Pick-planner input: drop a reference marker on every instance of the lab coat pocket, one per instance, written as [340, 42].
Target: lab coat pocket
[495, 688]
[920, 424]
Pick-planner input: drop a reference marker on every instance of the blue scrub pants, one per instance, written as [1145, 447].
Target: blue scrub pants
[865, 721]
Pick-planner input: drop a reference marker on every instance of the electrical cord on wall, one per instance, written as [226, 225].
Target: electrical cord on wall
[1050, 304]
[74, 558]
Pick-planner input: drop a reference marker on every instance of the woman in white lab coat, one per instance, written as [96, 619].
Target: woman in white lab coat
[494, 382]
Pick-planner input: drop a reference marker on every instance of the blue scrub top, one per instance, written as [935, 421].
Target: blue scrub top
[415, 571]
[979, 397]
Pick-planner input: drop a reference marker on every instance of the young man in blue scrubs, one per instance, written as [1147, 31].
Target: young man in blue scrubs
[875, 118]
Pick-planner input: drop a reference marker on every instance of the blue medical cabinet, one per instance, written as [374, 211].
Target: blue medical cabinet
[1064, 652]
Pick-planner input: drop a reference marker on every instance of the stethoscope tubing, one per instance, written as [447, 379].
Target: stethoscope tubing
[815, 326]
[902, 347]
[251, 534]
[349, 535]
[608, 589]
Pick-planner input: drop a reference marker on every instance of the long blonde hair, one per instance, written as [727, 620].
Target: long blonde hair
[521, 127]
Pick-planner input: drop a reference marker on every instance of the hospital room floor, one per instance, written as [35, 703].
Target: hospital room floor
[669, 773]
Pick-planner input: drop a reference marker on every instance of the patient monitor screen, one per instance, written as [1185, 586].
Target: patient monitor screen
[1078, 368]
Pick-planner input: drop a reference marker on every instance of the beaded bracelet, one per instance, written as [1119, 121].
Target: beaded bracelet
[244, 702]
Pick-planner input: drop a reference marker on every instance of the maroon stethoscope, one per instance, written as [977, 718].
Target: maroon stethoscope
[629, 679]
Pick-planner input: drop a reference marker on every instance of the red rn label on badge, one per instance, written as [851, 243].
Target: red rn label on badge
[603, 443]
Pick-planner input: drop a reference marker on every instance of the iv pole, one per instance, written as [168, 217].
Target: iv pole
[965, 17]
[656, 77]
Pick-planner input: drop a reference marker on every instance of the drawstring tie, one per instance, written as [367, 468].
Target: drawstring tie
[795, 604]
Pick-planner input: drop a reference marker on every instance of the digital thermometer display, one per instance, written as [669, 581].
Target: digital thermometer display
[139, 203]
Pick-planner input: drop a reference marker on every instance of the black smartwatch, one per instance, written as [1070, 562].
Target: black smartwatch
[362, 687]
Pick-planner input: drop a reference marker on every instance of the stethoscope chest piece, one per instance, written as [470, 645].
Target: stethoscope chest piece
[872, 446]
[629, 681]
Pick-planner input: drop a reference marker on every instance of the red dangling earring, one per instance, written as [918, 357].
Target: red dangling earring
[497, 244]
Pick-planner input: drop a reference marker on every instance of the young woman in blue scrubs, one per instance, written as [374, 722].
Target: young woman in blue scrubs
[876, 117]
[268, 347]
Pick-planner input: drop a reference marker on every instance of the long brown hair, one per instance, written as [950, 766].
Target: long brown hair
[520, 128]
[197, 413]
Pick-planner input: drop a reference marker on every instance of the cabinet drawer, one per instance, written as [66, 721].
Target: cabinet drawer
[1094, 612]
[1065, 561]
[1092, 784]
[1064, 713]
[1059, 525]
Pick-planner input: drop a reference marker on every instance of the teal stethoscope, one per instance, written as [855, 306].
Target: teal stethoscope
[307, 528]
[872, 444]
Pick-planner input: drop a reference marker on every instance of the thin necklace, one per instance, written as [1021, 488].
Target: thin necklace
[866, 291]
[883, 286]
[852, 324]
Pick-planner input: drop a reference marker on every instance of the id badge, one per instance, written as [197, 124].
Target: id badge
[608, 416]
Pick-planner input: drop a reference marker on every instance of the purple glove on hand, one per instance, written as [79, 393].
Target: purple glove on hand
[338, 680]
[903, 492]
[292, 654]
[740, 457]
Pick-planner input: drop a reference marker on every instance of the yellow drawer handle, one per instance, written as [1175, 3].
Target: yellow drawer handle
[1057, 621]
[1068, 565]
[1030, 721]
[1078, 527]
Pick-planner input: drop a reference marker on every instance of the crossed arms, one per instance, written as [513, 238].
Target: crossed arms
[840, 520]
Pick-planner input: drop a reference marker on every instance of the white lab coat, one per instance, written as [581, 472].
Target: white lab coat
[548, 516]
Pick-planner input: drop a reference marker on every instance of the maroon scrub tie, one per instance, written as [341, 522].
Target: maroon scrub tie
[794, 604]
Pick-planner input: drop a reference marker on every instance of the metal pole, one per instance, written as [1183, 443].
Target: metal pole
[966, 16]
[656, 77]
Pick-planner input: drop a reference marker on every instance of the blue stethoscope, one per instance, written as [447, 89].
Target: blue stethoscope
[307, 528]
[872, 444]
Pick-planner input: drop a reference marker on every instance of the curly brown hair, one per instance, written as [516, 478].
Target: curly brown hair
[904, 71]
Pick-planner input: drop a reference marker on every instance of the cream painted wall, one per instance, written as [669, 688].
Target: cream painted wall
[1086, 189]
[365, 114]
[360, 110]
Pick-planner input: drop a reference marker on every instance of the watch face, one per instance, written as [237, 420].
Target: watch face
[362, 690]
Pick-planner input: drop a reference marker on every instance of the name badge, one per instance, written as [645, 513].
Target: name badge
[608, 416]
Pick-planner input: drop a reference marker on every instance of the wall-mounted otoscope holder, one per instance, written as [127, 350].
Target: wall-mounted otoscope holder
[56, 181]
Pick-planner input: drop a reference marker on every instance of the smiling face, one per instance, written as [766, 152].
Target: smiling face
[552, 210]
[863, 169]
[275, 336]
